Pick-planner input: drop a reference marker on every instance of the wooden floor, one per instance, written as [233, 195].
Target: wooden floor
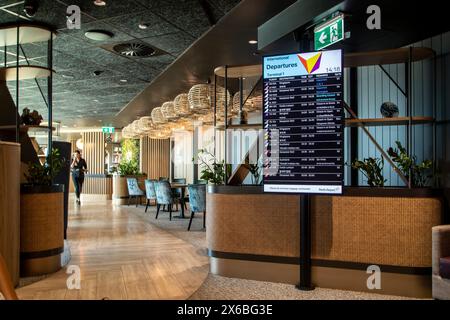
[122, 257]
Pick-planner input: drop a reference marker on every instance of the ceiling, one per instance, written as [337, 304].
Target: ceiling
[225, 44]
[79, 96]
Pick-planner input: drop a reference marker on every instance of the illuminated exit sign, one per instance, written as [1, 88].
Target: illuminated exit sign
[329, 32]
[108, 129]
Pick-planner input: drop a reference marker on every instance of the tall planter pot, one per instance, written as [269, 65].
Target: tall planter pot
[120, 188]
[41, 229]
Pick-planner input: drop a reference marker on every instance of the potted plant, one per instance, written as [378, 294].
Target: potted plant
[420, 173]
[127, 168]
[42, 218]
[372, 169]
[213, 170]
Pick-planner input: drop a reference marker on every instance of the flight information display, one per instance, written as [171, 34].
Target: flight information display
[303, 122]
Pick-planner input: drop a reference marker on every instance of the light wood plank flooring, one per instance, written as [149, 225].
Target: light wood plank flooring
[122, 257]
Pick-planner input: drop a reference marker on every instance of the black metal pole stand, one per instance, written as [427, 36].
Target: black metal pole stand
[305, 244]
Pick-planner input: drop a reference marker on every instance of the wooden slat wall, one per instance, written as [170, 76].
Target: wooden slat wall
[94, 151]
[155, 157]
[97, 185]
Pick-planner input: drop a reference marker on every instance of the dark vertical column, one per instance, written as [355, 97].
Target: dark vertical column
[195, 154]
[305, 44]
[241, 99]
[226, 124]
[16, 116]
[50, 95]
[215, 113]
[408, 85]
[305, 244]
[172, 164]
[354, 130]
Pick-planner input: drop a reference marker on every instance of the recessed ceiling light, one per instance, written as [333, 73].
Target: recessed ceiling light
[65, 126]
[100, 3]
[143, 26]
[67, 76]
[95, 100]
[253, 41]
[123, 80]
[98, 35]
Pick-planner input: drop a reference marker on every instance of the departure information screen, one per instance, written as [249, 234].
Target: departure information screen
[303, 122]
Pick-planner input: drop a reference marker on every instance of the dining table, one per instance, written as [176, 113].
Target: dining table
[182, 187]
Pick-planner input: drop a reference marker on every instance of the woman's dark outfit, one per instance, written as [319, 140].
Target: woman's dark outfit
[78, 176]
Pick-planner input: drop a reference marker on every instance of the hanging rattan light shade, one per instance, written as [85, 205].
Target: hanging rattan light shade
[220, 103]
[184, 125]
[256, 103]
[145, 124]
[168, 110]
[237, 102]
[181, 105]
[160, 132]
[199, 97]
[206, 119]
[135, 129]
[126, 132]
[157, 116]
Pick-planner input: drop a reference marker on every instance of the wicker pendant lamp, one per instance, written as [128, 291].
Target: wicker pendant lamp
[206, 119]
[256, 103]
[199, 96]
[184, 125]
[146, 124]
[181, 105]
[220, 103]
[157, 116]
[237, 102]
[135, 128]
[160, 132]
[168, 111]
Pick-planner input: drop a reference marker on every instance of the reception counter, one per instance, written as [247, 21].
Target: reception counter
[254, 235]
[95, 187]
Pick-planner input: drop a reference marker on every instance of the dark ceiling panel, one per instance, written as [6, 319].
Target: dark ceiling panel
[226, 43]
[174, 43]
[130, 24]
[173, 26]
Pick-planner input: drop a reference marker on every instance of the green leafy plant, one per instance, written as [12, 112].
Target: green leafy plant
[255, 171]
[43, 175]
[129, 164]
[372, 169]
[213, 170]
[408, 165]
[128, 168]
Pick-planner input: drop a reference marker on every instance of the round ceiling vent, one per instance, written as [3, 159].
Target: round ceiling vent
[134, 49]
[99, 35]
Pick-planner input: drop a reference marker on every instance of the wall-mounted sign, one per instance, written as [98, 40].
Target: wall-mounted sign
[304, 123]
[329, 33]
[108, 129]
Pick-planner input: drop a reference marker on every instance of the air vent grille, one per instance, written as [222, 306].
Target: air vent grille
[134, 49]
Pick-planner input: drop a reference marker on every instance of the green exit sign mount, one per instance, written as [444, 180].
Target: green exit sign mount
[108, 129]
[329, 33]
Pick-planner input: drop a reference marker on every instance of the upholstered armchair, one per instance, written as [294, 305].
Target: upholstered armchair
[441, 262]
[134, 191]
[150, 192]
[197, 201]
[164, 196]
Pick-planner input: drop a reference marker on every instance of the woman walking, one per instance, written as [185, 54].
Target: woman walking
[79, 167]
